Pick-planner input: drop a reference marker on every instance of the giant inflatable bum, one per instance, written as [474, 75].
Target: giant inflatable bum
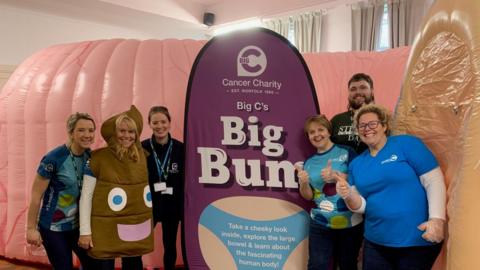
[440, 103]
[249, 95]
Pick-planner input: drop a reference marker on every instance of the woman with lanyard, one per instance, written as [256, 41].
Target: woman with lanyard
[59, 181]
[165, 175]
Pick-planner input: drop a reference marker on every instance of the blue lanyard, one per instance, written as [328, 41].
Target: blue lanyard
[77, 173]
[162, 167]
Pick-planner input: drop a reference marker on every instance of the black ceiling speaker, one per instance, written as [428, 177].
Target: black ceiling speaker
[208, 18]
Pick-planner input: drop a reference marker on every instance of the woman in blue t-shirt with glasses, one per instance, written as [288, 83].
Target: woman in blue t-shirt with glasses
[399, 186]
[335, 232]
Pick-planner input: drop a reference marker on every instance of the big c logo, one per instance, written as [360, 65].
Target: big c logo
[251, 62]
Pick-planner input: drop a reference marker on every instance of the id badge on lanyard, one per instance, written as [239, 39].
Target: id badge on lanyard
[160, 186]
[162, 170]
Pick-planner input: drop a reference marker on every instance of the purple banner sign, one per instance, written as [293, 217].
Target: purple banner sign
[249, 94]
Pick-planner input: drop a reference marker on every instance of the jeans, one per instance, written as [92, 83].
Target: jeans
[59, 247]
[329, 245]
[378, 257]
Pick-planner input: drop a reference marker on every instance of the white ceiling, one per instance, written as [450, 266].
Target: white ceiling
[187, 12]
[226, 11]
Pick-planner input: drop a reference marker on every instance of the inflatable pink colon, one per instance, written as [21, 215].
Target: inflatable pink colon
[99, 77]
[105, 77]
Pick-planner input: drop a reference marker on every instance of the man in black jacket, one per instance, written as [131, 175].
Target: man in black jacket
[360, 91]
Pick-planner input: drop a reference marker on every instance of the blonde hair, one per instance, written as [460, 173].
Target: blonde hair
[383, 116]
[131, 152]
[73, 119]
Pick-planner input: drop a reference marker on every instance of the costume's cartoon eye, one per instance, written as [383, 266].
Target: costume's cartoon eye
[147, 196]
[117, 199]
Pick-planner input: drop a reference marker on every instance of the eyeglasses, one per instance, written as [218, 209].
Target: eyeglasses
[371, 125]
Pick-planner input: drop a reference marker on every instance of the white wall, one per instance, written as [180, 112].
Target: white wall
[23, 31]
[5, 72]
[337, 29]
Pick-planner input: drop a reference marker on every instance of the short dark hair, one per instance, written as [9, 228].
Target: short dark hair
[319, 119]
[159, 109]
[361, 77]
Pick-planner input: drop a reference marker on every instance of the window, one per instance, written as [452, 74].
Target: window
[384, 41]
[291, 32]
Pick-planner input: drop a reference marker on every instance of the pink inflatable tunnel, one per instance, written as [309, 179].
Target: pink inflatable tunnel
[99, 77]
[107, 76]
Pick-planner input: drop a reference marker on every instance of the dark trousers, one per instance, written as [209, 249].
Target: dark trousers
[378, 257]
[128, 263]
[328, 245]
[169, 235]
[59, 247]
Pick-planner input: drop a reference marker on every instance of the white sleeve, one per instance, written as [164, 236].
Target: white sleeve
[361, 209]
[434, 185]
[88, 188]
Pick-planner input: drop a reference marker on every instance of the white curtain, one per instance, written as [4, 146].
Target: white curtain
[405, 17]
[366, 22]
[280, 26]
[308, 31]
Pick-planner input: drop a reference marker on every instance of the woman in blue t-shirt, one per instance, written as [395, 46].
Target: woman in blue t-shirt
[58, 182]
[335, 232]
[399, 186]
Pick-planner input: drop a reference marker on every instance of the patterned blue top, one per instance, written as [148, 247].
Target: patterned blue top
[60, 201]
[390, 183]
[330, 211]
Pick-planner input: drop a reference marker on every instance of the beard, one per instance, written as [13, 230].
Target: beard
[354, 104]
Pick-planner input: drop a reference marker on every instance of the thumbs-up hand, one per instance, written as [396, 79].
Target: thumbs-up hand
[342, 186]
[303, 177]
[327, 173]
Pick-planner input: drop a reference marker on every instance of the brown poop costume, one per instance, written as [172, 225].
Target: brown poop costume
[119, 229]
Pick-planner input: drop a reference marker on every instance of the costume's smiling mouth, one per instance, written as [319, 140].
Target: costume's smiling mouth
[134, 232]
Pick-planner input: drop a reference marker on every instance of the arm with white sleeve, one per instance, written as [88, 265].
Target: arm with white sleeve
[85, 240]
[434, 184]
